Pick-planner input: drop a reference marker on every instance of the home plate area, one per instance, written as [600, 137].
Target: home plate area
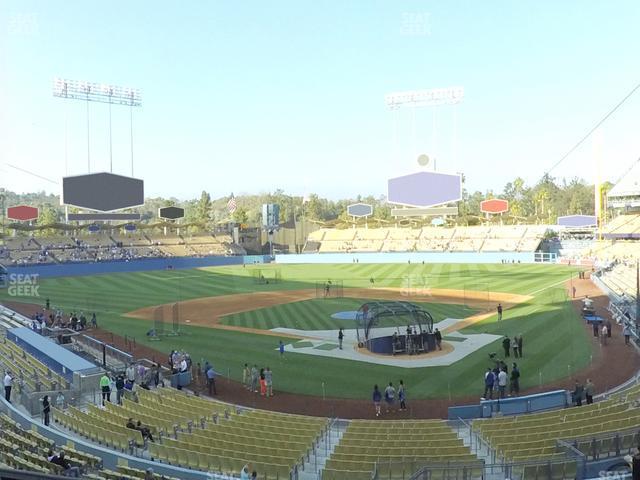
[324, 343]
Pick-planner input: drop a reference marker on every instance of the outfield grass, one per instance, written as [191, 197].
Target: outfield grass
[315, 314]
[555, 342]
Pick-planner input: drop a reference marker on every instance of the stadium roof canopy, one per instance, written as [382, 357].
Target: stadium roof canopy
[628, 186]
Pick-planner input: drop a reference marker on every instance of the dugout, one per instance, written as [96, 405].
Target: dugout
[383, 327]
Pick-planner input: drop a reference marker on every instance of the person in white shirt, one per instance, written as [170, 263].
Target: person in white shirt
[130, 373]
[183, 365]
[8, 383]
[502, 382]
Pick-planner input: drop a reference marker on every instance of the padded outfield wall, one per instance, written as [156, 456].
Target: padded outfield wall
[118, 266]
[416, 257]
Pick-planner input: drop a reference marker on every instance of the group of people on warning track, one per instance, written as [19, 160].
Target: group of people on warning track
[390, 395]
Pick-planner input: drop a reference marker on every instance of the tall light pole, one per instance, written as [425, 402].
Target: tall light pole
[101, 93]
[415, 99]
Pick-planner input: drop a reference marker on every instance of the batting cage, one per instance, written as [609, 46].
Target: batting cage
[329, 289]
[392, 327]
[266, 277]
[166, 321]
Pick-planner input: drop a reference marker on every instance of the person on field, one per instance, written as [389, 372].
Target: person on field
[499, 309]
[402, 396]
[605, 334]
[438, 339]
[608, 324]
[514, 346]
[514, 386]
[390, 396]
[519, 337]
[246, 376]
[578, 392]
[281, 348]
[489, 380]
[340, 337]
[263, 383]
[502, 383]
[254, 379]
[377, 398]
[268, 378]
[588, 391]
[211, 381]
[506, 346]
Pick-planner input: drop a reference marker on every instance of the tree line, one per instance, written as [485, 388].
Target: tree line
[542, 202]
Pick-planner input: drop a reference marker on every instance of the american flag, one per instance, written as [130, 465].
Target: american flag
[231, 204]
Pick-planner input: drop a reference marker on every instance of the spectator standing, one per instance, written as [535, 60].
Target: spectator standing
[626, 331]
[263, 383]
[514, 387]
[588, 391]
[268, 378]
[377, 398]
[520, 346]
[60, 401]
[156, 375]
[46, 409]
[254, 379]
[489, 380]
[502, 383]
[402, 396]
[130, 373]
[578, 391]
[105, 381]
[390, 396]
[635, 465]
[244, 473]
[246, 376]
[119, 389]
[211, 381]
[506, 346]
[8, 384]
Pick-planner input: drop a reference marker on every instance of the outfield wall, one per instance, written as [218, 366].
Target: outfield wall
[413, 257]
[118, 266]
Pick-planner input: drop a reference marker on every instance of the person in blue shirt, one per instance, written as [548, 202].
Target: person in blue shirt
[377, 398]
[489, 380]
[211, 380]
[281, 346]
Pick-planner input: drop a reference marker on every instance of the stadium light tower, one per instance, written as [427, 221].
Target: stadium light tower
[415, 99]
[101, 93]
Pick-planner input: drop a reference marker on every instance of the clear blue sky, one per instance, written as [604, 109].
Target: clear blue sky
[252, 96]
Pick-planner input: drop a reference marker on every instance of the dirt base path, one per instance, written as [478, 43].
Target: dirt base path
[207, 311]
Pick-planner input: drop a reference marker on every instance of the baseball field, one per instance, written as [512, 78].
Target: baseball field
[229, 318]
